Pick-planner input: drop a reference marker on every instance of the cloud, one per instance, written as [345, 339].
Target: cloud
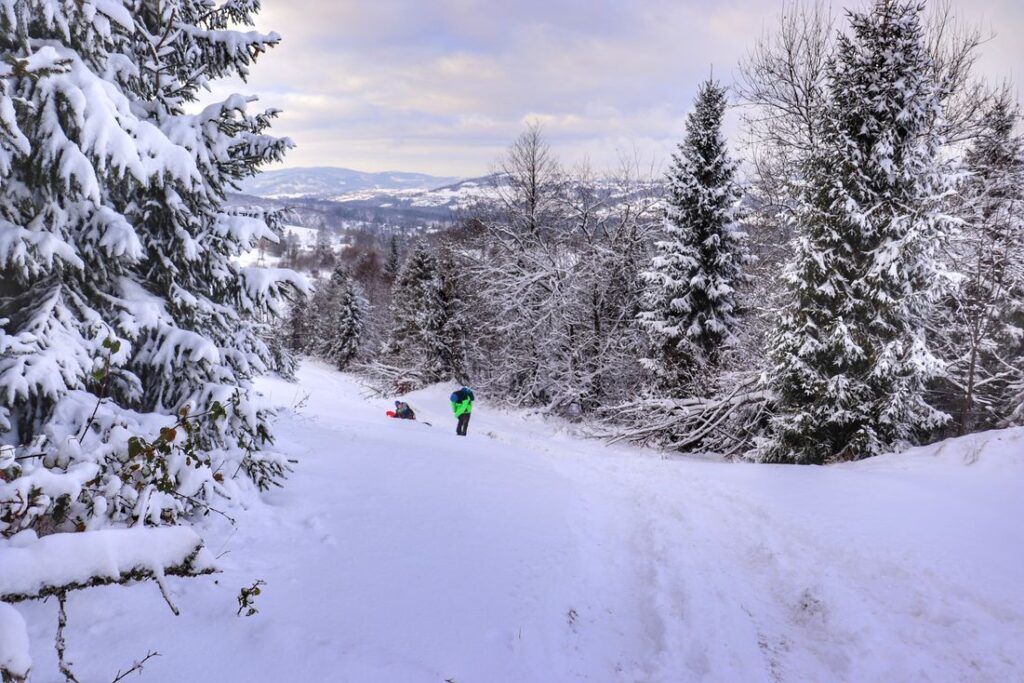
[444, 86]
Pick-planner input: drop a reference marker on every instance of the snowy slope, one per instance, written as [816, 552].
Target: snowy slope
[400, 552]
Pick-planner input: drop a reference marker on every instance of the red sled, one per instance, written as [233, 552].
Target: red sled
[390, 413]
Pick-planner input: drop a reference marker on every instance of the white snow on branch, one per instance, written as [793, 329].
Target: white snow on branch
[32, 567]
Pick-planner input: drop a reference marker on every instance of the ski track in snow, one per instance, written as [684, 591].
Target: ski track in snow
[400, 552]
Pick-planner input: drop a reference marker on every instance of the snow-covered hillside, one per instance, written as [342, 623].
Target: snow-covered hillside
[305, 237]
[400, 552]
[471, 193]
[328, 181]
[459, 196]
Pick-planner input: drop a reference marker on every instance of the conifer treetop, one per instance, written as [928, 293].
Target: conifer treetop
[690, 306]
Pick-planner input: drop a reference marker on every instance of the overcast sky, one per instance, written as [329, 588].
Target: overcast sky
[442, 86]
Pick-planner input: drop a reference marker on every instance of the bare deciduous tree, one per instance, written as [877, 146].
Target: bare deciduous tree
[981, 323]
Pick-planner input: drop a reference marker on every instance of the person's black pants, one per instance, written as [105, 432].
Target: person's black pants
[463, 424]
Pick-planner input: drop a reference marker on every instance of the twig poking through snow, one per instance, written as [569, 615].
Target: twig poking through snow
[137, 666]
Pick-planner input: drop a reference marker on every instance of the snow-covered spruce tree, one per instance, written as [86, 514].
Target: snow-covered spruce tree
[850, 359]
[981, 322]
[393, 263]
[313, 320]
[117, 271]
[420, 339]
[412, 343]
[296, 327]
[323, 250]
[341, 318]
[283, 359]
[363, 257]
[689, 307]
[455, 335]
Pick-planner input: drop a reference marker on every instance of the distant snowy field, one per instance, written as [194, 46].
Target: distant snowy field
[400, 552]
[306, 238]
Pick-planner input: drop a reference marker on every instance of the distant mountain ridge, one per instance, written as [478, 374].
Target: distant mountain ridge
[406, 207]
[327, 181]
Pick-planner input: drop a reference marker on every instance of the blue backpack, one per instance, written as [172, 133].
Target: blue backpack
[461, 395]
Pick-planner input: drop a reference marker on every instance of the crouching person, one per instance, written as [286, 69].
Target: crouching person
[403, 411]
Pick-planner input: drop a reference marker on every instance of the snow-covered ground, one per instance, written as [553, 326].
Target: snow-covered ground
[306, 238]
[400, 552]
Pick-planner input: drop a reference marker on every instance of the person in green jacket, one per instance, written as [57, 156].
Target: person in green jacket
[462, 406]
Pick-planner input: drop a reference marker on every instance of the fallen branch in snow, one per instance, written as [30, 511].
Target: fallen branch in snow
[726, 424]
[387, 379]
[247, 598]
[300, 402]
